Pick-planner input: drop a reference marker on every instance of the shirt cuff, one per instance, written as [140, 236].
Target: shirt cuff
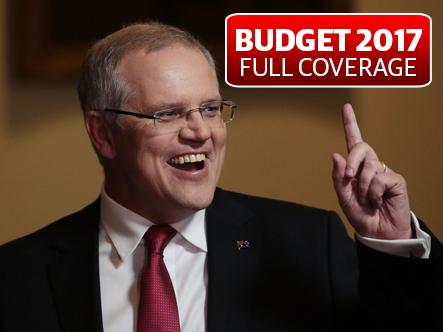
[419, 247]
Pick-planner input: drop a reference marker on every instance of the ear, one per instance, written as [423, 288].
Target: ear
[100, 134]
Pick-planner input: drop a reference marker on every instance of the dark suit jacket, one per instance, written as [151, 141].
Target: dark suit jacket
[300, 273]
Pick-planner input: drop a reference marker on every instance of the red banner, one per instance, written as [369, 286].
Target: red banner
[330, 50]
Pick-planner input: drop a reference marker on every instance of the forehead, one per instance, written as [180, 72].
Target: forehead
[176, 74]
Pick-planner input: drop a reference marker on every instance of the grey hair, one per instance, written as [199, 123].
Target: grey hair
[100, 86]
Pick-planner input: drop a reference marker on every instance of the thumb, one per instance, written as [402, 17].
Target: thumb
[338, 175]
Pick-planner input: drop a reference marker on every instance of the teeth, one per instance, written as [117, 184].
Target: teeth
[188, 158]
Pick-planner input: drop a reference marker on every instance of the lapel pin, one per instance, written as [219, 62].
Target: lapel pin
[243, 244]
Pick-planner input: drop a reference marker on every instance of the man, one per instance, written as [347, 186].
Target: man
[227, 262]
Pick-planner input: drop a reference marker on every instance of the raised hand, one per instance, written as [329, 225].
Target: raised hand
[373, 197]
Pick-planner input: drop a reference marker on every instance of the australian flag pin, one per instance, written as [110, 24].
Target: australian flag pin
[243, 244]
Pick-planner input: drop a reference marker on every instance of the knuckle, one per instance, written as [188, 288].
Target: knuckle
[401, 180]
[363, 146]
[373, 163]
[354, 157]
[372, 193]
[368, 150]
[359, 147]
[379, 179]
[364, 180]
[335, 176]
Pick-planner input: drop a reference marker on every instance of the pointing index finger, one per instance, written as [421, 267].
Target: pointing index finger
[352, 132]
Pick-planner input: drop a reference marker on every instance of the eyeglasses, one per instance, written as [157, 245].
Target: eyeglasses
[214, 113]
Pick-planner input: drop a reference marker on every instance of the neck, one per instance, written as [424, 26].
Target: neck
[149, 208]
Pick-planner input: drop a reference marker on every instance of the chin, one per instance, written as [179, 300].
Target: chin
[197, 200]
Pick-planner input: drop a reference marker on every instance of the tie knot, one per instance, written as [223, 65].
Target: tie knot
[157, 238]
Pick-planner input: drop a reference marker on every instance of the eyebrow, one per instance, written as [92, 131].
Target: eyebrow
[166, 106]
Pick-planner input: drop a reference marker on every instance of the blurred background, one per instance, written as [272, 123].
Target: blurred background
[280, 144]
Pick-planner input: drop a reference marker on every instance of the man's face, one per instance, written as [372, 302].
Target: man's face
[144, 174]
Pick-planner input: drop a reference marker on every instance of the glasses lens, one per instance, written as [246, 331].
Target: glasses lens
[212, 113]
[169, 120]
[215, 114]
[228, 110]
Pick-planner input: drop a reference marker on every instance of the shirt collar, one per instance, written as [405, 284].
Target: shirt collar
[126, 228]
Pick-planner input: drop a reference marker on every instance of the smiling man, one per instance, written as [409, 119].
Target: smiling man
[163, 249]
[174, 159]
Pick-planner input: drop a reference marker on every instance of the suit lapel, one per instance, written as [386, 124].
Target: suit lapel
[232, 273]
[73, 269]
[74, 274]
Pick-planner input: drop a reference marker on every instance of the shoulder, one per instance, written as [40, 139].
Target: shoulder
[278, 212]
[65, 230]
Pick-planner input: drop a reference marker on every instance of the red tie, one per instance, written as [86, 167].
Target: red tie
[157, 310]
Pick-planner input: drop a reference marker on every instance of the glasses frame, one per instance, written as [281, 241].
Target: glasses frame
[232, 107]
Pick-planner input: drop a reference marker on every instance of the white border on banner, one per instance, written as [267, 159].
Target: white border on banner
[330, 86]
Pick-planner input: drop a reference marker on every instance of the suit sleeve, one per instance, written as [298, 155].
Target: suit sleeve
[375, 291]
[400, 292]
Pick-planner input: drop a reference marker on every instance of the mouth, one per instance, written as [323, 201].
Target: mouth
[188, 162]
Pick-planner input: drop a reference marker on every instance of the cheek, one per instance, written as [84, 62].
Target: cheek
[219, 137]
[142, 149]
[151, 153]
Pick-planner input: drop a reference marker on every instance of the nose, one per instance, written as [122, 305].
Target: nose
[196, 129]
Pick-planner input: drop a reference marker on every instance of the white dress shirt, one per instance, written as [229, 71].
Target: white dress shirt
[122, 256]
[121, 259]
